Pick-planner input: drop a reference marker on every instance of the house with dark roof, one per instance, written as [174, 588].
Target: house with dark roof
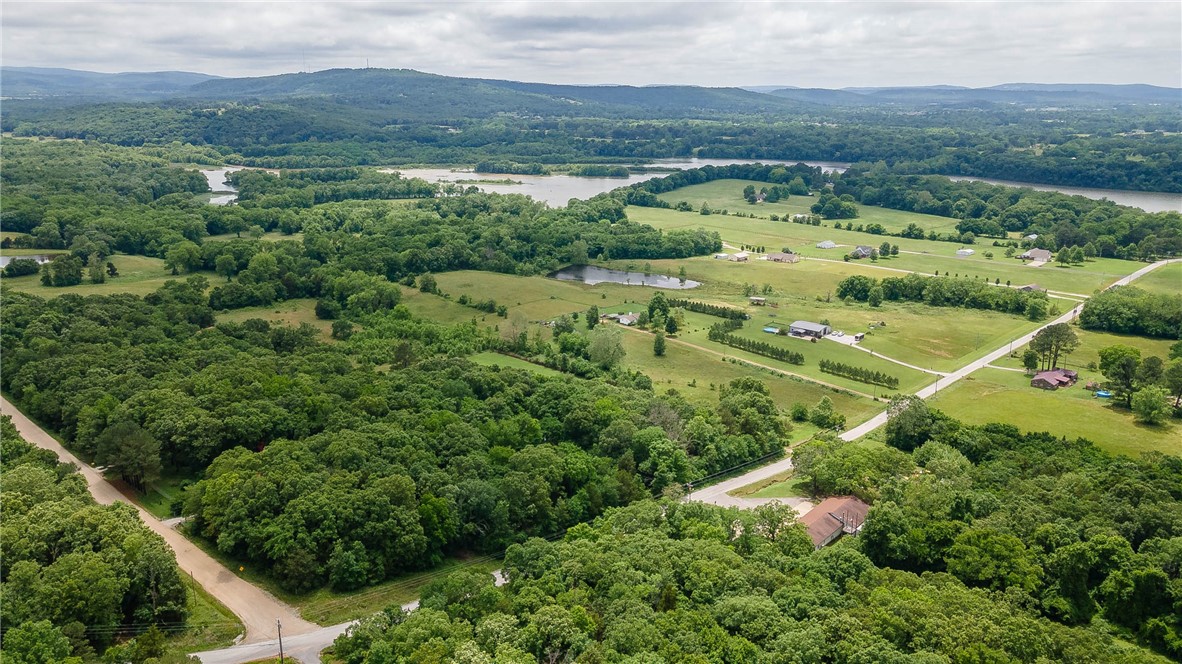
[782, 257]
[861, 251]
[1054, 379]
[834, 517]
[1031, 287]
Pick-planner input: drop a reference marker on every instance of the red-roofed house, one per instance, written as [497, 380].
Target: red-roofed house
[834, 516]
[1053, 379]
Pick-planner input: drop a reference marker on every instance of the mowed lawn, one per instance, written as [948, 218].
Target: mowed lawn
[924, 256]
[1165, 279]
[996, 395]
[728, 195]
[138, 275]
[1090, 344]
[698, 376]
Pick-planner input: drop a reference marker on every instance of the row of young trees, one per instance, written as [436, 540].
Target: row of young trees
[719, 310]
[773, 351]
[859, 374]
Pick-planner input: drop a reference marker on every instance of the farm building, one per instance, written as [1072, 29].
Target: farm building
[781, 257]
[1053, 379]
[721, 257]
[861, 251]
[965, 252]
[1036, 255]
[1032, 237]
[804, 328]
[741, 257]
[1030, 287]
[802, 217]
[758, 301]
[827, 244]
[833, 517]
[771, 330]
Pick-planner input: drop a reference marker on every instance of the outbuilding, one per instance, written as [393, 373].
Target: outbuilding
[741, 257]
[965, 252]
[757, 301]
[804, 328]
[827, 244]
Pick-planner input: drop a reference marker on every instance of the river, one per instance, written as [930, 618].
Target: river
[1150, 201]
[224, 193]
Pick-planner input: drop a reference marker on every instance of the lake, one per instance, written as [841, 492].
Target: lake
[1150, 201]
[557, 190]
[224, 193]
[590, 274]
[40, 258]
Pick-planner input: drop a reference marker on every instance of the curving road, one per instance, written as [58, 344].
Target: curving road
[257, 609]
[717, 494]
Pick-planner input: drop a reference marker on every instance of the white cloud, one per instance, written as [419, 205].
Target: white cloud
[811, 44]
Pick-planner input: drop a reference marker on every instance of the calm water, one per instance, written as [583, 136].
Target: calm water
[1150, 201]
[557, 190]
[224, 193]
[40, 258]
[590, 274]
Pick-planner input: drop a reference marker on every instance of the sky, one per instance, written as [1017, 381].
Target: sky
[804, 44]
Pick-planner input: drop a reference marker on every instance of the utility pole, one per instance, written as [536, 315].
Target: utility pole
[279, 627]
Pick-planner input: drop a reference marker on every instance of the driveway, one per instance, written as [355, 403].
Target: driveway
[257, 609]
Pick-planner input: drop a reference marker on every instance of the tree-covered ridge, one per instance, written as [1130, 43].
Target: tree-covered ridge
[75, 575]
[983, 544]
[327, 468]
[349, 118]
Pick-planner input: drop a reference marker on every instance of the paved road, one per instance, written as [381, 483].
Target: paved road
[304, 648]
[714, 494]
[255, 608]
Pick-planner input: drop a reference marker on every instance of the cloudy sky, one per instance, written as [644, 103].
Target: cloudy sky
[808, 44]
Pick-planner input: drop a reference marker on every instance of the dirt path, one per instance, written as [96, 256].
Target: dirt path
[257, 609]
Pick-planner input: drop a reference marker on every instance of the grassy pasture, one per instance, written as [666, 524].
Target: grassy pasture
[273, 236]
[1090, 343]
[728, 195]
[1165, 279]
[491, 359]
[138, 275]
[990, 395]
[923, 256]
[288, 312]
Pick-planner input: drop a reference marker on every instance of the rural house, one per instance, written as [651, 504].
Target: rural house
[1053, 379]
[628, 319]
[804, 328]
[833, 517]
[827, 244]
[781, 257]
[1036, 255]
[741, 257]
[861, 251]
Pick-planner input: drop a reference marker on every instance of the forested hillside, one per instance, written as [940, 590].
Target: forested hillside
[1003, 548]
[76, 575]
[375, 116]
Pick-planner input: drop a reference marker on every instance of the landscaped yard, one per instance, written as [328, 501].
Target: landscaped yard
[996, 395]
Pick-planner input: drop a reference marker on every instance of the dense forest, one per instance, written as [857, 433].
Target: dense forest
[385, 117]
[77, 575]
[983, 545]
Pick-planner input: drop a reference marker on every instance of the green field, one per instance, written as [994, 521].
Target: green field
[923, 256]
[728, 195]
[1090, 343]
[288, 312]
[491, 359]
[991, 395]
[138, 275]
[273, 236]
[1165, 279]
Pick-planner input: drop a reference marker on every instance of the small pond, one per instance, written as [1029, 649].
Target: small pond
[40, 258]
[590, 274]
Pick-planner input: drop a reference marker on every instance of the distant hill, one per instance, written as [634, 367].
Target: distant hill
[41, 82]
[1010, 93]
